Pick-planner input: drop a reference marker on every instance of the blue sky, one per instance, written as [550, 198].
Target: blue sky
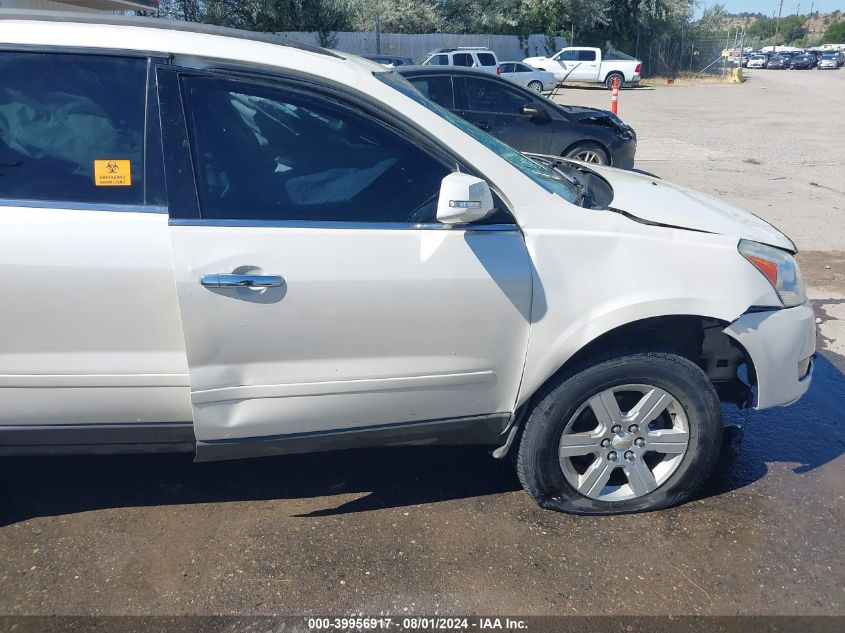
[767, 7]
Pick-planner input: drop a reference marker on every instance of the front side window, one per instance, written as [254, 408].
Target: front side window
[491, 96]
[72, 127]
[566, 56]
[438, 60]
[273, 153]
[486, 59]
[438, 89]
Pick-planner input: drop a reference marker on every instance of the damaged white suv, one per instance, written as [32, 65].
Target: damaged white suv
[216, 242]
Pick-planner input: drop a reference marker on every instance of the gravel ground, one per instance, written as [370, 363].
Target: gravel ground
[448, 530]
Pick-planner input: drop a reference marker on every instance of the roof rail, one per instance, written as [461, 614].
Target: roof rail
[158, 23]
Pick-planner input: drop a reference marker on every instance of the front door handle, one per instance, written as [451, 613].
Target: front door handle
[484, 125]
[241, 281]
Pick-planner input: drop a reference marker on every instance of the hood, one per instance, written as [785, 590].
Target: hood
[651, 200]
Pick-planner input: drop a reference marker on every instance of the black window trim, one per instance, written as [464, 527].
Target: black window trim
[169, 86]
[153, 60]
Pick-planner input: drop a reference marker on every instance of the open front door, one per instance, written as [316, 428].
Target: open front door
[316, 292]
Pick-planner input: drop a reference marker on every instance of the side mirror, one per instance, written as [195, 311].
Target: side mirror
[463, 199]
[533, 111]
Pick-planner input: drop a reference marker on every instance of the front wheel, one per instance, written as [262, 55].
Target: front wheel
[536, 86]
[588, 153]
[630, 431]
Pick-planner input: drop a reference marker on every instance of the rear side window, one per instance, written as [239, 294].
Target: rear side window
[462, 59]
[486, 59]
[273, 153]
[508, 68]
[586, 56]
[72, 127]
[438, 89]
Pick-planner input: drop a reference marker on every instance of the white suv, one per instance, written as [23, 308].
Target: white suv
[469, 57]
[207, 248]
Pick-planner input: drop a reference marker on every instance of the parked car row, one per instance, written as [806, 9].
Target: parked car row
[796, 60]
[220, 243]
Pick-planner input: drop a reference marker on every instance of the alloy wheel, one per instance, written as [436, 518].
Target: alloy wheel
[624, 442]
[589, 156]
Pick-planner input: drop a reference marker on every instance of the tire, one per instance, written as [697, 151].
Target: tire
[561, 474]
[589, 153]
[608, 81]
[536, 86]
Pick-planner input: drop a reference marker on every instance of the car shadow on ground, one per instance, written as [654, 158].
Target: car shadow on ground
[811, 433]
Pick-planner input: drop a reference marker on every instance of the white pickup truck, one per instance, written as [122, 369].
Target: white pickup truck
[581, 63]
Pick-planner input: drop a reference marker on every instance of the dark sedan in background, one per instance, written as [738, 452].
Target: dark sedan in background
[524, 119]
[804, 61]
[778, 62]
[390, 60]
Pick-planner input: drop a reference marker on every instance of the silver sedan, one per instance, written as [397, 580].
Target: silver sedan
[536, 80]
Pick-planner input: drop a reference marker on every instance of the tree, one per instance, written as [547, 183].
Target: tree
[834, 34]
[711, 19]
[397, 16]
[791, 28]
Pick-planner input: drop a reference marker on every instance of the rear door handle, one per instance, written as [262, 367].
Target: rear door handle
[241, 281]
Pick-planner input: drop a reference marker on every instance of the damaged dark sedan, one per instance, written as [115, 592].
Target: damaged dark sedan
[525, 120]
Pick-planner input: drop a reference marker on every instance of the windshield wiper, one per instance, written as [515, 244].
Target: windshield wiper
[582, 193]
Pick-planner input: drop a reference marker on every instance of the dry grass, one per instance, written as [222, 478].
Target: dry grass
[686, 79]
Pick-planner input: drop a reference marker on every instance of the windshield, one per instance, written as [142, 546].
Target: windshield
[543, 176]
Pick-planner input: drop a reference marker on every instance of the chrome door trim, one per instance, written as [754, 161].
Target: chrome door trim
[316, 224]
[82, 206]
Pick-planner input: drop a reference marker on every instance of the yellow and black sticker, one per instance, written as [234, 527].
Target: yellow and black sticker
[112, 173]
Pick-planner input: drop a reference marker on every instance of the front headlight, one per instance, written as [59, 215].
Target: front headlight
[780, 268]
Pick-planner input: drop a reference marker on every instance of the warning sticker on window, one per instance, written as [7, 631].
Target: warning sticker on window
[112, 173]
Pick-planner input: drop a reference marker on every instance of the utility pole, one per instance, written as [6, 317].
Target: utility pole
[777, 24]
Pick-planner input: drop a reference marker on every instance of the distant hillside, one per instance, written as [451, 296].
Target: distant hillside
[815, 24]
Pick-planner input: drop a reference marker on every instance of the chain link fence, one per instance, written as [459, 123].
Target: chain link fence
[703, 55]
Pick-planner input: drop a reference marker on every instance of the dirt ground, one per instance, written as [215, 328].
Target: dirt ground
[449, 531]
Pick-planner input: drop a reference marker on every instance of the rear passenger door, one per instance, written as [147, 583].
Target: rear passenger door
[90, 326]
[588, 66]
[462, 59]
[495, 107]
[487, 61]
